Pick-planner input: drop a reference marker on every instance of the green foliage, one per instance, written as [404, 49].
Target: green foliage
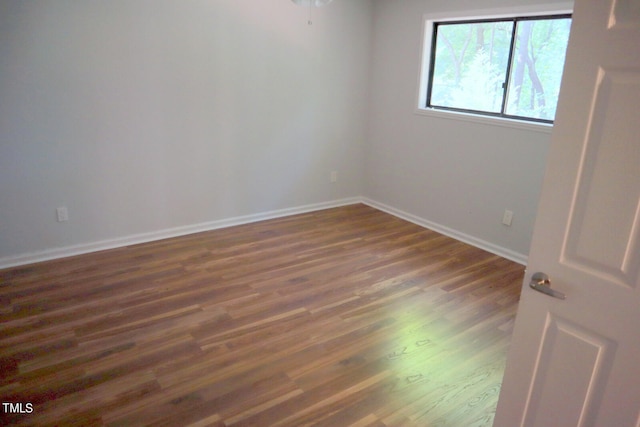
[480, 87]
[535, 94]
[471, 61]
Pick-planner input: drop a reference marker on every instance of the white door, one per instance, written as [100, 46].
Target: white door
[576, 362]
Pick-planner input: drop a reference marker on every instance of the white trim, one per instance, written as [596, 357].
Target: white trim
[454, 234]
[135, 239]
[486, 120]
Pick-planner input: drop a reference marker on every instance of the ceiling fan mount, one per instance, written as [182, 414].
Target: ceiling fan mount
[316, 3]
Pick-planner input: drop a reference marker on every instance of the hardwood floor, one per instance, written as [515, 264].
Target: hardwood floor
[343, 317]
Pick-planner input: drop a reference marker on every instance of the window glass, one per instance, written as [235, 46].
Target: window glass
[538, 61]
[470, 65]
[502, 67]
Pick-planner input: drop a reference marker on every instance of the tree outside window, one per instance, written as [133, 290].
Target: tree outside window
[503, 67]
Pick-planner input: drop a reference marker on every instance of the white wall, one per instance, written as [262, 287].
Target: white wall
[145, 115]
[454, 175]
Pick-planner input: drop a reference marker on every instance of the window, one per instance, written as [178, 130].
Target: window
[503, 67]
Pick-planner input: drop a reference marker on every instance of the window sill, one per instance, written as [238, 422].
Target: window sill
[486, 120]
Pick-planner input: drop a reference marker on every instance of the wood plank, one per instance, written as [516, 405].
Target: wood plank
[347, 316]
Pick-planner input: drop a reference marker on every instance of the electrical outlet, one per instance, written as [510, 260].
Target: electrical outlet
[334, 176]
[507, 218]
[62, 214]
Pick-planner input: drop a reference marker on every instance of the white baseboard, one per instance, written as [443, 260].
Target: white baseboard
[455, 234]
[67, 251]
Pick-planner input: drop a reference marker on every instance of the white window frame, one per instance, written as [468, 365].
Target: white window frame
[425, 52]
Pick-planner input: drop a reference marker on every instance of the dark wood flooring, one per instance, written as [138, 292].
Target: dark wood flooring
[342, 317]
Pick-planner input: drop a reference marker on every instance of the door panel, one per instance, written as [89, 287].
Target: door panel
[626, 13]
[576, 362]
[606, 213]
[568, 347]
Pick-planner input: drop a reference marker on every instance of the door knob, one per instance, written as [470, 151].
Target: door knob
[541, 283]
